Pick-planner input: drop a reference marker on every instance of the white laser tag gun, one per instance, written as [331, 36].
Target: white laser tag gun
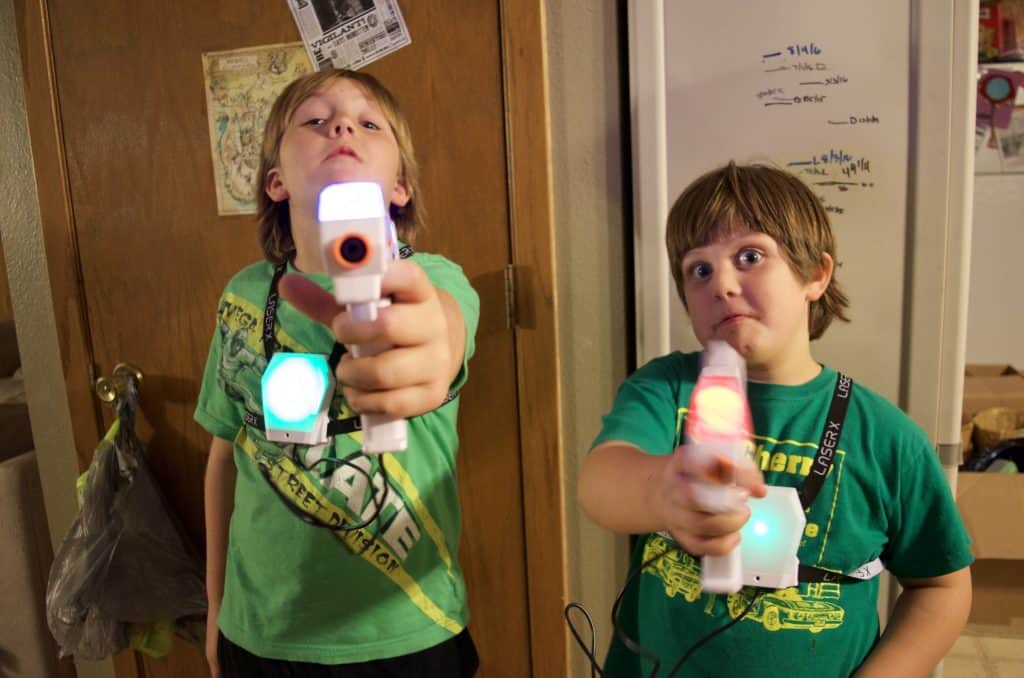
[719, 429]
[357, 243]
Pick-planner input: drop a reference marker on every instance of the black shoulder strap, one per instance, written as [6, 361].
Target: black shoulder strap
[270, 313]
[335, 427]
[829, 440]
[819, 471]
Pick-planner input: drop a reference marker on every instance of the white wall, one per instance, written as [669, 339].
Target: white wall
[587, 166]
[995, 310]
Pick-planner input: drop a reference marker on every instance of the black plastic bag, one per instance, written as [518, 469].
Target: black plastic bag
[124, 560]
[1011, 449]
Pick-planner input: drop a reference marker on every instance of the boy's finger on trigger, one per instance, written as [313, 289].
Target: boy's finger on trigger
[719, 546]
[697, 461]
[749, 477]
[412, 325]
[402, 402]
[353, 332]
[308, 297]
[406, 283]
[718, 524]
[712, 546]
[397, 368]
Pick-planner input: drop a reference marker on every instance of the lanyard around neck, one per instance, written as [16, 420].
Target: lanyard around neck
[829, 440]
[816, 478]
[270, 342]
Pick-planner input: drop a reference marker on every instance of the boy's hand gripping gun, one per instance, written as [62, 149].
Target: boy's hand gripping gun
[719, 430]
[357, 243]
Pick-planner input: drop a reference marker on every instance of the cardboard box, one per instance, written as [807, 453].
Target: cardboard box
[991, 505]
[991, 386]
[998, 601]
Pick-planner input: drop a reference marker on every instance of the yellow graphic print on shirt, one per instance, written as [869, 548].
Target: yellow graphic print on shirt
[780, 609]
[347, 489]
[806, 607]
[788, 609]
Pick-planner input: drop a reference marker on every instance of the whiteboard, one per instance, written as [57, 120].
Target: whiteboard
[821, 89]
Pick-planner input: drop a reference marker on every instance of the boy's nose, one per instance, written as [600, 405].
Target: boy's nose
[343, 126]
[726, 283]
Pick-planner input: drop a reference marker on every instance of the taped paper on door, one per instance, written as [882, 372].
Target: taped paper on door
[241, 86]
[349, 33]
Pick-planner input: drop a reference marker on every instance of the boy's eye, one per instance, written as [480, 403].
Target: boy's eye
[701, 271]
[750, 256]
[314, 122]
[370, 124]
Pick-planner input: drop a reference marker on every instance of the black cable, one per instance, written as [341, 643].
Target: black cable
[378, 506]
[630, 644]
[311, 519]
[696, 646]
[591, 652]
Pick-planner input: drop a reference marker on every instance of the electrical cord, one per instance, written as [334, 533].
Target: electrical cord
[696, 646]
[316, 521]
[595, 670]
[377, 505]
[630, 644]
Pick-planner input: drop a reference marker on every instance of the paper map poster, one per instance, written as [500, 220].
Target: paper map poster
[241, 86]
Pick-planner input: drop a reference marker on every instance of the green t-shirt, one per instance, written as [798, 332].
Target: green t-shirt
[298, 592]
[885, 497]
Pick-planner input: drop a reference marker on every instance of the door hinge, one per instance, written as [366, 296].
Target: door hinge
[510, 297]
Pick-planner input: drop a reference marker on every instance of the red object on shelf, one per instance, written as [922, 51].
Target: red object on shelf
[990, 32]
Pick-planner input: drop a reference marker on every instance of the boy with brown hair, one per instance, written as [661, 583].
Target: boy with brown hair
[753, 257]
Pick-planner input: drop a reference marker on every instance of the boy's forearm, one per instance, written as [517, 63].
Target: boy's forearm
[219, 495]
[456, 331]
[928, 617]
[616, 486]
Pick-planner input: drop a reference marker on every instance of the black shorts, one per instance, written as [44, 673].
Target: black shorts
[454, 658]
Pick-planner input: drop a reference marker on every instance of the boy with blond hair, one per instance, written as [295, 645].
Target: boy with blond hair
[324, 561]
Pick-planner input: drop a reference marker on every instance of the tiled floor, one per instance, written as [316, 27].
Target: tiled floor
[986, 652]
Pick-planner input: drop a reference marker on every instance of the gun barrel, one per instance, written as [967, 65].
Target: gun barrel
[352, 250]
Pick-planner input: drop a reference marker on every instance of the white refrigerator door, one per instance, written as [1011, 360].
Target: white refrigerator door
[872, 104]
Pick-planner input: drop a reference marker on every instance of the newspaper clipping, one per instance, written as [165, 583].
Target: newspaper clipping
[241, 86]
[349, 33]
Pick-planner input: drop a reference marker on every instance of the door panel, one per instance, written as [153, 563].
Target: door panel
[154, 255]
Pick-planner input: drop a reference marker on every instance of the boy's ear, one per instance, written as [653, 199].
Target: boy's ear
[818, 283]
[400, 195]
[274, 186]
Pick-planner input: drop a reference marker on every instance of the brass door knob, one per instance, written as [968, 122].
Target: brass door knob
[108, 388]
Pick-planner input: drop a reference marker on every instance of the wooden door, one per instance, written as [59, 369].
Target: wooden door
[138, 257]
[6, 310]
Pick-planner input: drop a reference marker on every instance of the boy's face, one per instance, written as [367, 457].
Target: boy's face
[741, 289]
[337, 134]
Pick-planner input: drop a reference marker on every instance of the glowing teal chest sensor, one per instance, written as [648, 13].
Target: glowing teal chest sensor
[297, 390]
[770, 539]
